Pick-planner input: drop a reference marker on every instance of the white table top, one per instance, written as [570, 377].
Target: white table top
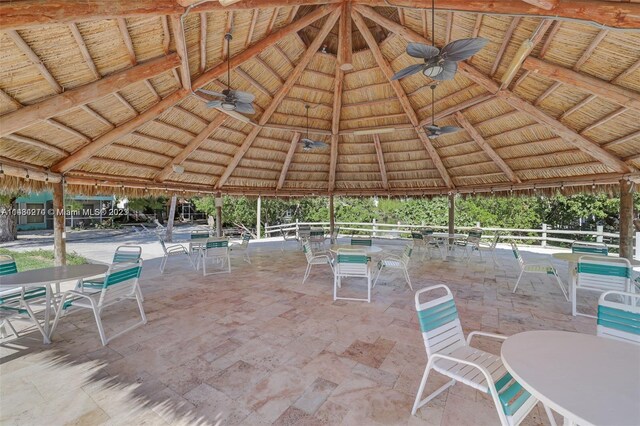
[574, 257]
[447, 235]
[36, 277]
[588, 379]
[367, 249]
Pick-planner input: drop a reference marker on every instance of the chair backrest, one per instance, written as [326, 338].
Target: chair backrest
[439, 322]
[604, 273]
[516, 254]
[361, 242]
[494, 242]
[201, 233]
[306, 248]
[245, 240]
[590, 248]
[427, 231]
[317, 232]
[352, 262]
[304, 231]
[120, 281]
[406, 254]
[217, 247]
[416, 236]
[127, 254]
[619, 319]
[7, 265]
[475, 233]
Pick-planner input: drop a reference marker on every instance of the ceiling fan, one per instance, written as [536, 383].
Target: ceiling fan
[432, 130]
[309, 144]
[440, 64]
[232, 100]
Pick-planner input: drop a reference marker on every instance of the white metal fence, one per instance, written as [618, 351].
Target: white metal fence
[544, 235]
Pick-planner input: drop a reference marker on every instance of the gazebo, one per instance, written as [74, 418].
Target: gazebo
[103, 97]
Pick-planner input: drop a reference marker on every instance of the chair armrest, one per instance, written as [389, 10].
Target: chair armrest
[176, 248]
[483, 370]
[484, 333]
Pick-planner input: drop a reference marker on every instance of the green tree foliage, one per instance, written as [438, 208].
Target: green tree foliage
[147, 205]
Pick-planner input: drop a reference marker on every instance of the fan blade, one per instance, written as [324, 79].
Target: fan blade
[214, 104]
[245, 108]
[318, 144]
[410, 70]
[449, 69]
[449, 129]
[306, 141]
[243, 97]
[212, 93]
[423, 51]
[462, 49]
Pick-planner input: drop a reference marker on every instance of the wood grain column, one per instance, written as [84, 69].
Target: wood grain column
[218, 201]
[332, 219]
[452, 215]
[59, 235]
[626, 219]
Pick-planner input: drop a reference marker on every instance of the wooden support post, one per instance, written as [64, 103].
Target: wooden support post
[452, 214]
[172, 214]
[218, 215]
[626, 219]
[332, 219]
[59, 235]
[258, 217]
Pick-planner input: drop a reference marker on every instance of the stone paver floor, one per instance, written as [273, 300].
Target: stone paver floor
[256, 347]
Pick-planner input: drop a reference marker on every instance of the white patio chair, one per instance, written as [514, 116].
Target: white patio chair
[14, 303]
[419, 243]
[313, 259]
[197, 239]
[471, 243]
[619, 319]
[216, 249]
[303, 234]
[243, 247]
[491, 247]
[122, 254]
[599, 274]
[120, 284]
[451, 355]
[396, 262]
[317, 239]
[536, 268]
[431, 243]
[174, 250]
[352, 263]
[590, 248]
[286, 237]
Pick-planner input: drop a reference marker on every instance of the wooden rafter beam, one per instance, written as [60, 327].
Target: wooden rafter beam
[280, 95]
[37, 144]
[126, 38]
[191, 146]
[627, 72]
[345, 47]
[252, 27]
[402, 96]
[624, 139]
[505, 42]
[35, 60]
[10, 100]
[166, 34]
[272, 20]
[107, 139]
[69, 130]
[181, 48]
[73, 98]
[380, 156]
[84, 51]
[525, 50]
[203, 41]
[126, 103]
[477, 137]
[543, 4]
[335, 127]
[227, 29]
[617, 94]
[458, 107]
[569, 135]
[287, 161]
[261, 45]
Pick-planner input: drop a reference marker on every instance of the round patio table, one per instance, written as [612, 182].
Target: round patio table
[589, 380]
[445, 237]
[47, 276]
[572, 260]
[368, 249]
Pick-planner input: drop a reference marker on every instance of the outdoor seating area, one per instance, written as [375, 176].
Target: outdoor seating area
[320, 212]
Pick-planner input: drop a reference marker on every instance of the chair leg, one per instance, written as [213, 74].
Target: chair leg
[163, 263]
[561, 285]
[306, 273]
[419, 403]
[335, 287]
[377, 275]
[406, 276]
[103, 337]
[552, 420]
[574, 303]
[369, 288]
[518, 282]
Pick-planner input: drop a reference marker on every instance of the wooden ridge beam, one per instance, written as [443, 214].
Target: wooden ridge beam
[263, 44]
[380, 156]
[617, 94]
[35, 60]
[91, 149]
[543, 4]
[280, 94]
[191, 146]
[476, 136]
[569, 135]
[402, 96]
[73, 98]
[181, 48]
[287, 161]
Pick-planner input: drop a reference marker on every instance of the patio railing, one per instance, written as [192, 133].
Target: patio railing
[543, 236]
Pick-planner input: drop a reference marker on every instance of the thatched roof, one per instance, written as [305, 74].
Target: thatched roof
[101, 97]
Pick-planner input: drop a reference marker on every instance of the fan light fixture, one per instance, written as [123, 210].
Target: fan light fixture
[432, 71]
[177, 168]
